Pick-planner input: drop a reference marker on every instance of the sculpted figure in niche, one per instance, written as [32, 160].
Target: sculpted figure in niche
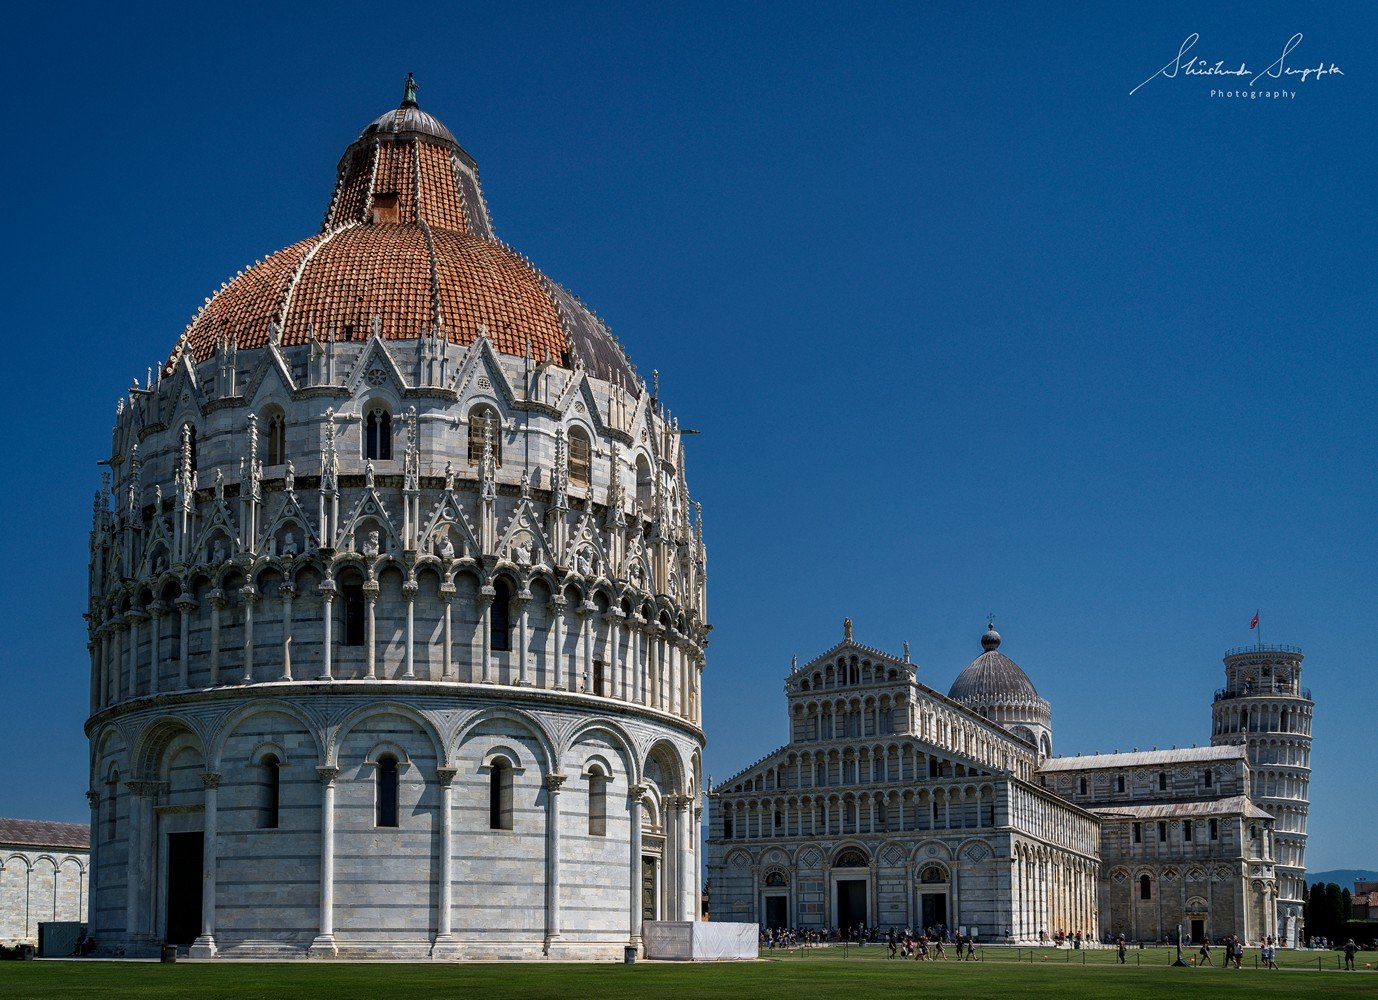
[445, 548]
[521, 552]
[637, 575]
[584, 561]
[289, 544]
[371, 544]
[218, 551]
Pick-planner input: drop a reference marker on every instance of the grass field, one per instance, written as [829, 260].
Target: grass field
[813, 975]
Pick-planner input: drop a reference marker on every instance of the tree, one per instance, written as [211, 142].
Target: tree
[1334, 910]
[1346, 905]
[1315, 910]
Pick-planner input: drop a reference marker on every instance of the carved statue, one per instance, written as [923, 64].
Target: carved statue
[584, 561]
[289, 544]
[521, 552]
[371, 544]
[218, 551]
[847, 629]
[446, 548]
[291, 477]
[637, 575]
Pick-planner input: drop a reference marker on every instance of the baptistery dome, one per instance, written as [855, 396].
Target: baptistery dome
[996, 686]
[397, 604]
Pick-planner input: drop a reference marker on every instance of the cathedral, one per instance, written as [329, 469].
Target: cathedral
[895, 806]
[397, 604]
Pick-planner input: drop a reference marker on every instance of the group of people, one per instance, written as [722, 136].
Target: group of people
[928, 946]
[1234, 953]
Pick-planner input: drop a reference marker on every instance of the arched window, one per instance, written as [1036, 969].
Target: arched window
[1145, 887]
[1282, 721]
[500, 616]
[353, 600]
[1209, 778]
[500, 795]
[1082, 787]
[269, 792]
[643, 482]
[727, 826]
[277, 439]
[378, 434]
[483, 418]
[112, 806]
[598, 803]
[1162, 781]
[580, 457]
[385, 798]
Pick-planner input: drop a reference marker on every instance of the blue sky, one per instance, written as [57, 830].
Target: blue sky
[966, 327]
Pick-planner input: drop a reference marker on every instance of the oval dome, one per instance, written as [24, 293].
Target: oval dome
[407, 251]
[992, 678]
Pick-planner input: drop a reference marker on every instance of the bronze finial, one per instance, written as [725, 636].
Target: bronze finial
[409, 94]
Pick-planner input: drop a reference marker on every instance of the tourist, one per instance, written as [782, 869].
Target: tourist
[1121, 949]
[1206, 953]
[1350, 950]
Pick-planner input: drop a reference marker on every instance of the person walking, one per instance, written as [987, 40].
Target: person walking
[1350, 950]
[1206, 954]
[1122, 949]
[1269, 953]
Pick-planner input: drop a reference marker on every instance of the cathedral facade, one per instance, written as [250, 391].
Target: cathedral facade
[397, 604]
[896, 806]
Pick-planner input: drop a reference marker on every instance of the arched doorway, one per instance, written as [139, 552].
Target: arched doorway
[851, 877]
[935, 888]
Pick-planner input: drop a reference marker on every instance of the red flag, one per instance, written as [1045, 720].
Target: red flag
[1254, 622]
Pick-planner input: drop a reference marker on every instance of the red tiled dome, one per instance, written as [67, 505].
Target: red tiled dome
[406, 246]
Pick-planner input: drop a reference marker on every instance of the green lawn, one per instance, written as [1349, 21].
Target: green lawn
[822, 974]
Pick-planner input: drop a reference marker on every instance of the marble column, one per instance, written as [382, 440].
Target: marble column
[324, 943]
[204, 946]
[327, 630]
[186, 604]
[557, 619]
[103, 695]
[250, 595]
[634, 797]
[217, 599]
[371, 629]
[445, 777]
[552, 858]
[447, 657]
[134, 618]
[93, 861]
[155, 652]
[136, 864]
[485, 626]
[409, 591]
[686, 857]
[522, 604]
[287, 592]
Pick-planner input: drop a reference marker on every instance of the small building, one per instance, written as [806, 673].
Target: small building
[43, 875]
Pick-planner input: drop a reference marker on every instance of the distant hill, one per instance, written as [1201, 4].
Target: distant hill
[1343, 877]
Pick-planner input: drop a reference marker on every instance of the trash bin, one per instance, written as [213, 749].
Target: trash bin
[26, 952]
[629, 955]
[169, 953]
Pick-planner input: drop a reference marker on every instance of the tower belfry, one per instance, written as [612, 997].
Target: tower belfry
[1264, 708]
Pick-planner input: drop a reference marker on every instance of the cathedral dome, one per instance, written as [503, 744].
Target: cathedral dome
[406, 251]
[992, 678]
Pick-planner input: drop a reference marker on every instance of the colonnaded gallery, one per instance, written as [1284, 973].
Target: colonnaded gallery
[396, 604]
[894, 805]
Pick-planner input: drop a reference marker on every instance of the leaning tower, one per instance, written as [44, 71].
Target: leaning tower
[1264, 707]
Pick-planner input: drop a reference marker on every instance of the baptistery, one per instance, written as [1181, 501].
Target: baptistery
[397, 604]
